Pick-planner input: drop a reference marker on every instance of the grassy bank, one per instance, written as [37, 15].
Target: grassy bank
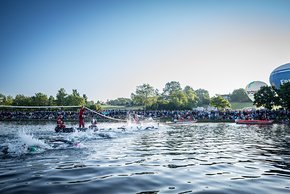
[108, 107]
[234, 106]
[242, 105]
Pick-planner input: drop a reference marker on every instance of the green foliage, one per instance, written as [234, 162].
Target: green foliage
[90, 103]
[96, 107]
[270, 97]
[145, 95]
[191, 95]
[61, 97]
[172, 98]
[39, 99]
[9, 101]
[120, 102]
[21, 100]
[2, 99]
[51, 101]
[266, 97]
[6, 100]
[161, 104]
[203, 98]
[219, 102]
[150, 101]
[241, 105]
[284, 95]
[75, 99]
[178, 100]
[85, 98]
[239, 95]
[171, 87]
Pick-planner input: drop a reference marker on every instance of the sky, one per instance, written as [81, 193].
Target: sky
[105, 49]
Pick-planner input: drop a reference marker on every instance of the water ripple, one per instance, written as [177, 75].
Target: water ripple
[198, 158]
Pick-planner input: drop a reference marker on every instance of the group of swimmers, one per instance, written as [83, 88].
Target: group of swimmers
[61, 125]
[132, 117]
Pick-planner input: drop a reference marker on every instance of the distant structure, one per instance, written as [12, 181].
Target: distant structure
[226, 96]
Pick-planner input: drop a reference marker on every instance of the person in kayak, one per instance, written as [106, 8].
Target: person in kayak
[59, 122]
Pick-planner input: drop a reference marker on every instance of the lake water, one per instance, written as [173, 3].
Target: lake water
[197, 158]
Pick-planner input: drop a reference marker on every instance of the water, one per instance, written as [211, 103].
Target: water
[196, 158]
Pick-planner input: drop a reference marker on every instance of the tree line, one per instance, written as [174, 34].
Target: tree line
[39, 99]
[172, 97]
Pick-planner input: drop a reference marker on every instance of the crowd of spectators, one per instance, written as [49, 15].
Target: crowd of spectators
[163, 115]
[53, 114]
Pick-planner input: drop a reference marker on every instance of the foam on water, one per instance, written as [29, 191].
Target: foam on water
[30, 140]
[111, 131]
[24, 143]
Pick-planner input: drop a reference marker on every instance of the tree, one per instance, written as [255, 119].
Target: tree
[144, 95]
[6, 100]
[9, 101]
[161, 103]
[85, 98]
[75, 99]
[51, 101]
[94, 106]
[90, 103]
[284, 95]
[219, 102]
[151, 101]
[171, 87]
[21, 100]
[61, 97]
[2, 99]
[39, 99]
[98, 107]
[266, 97]
[239, 95]
[203, 98]
[178, 100]
[191, 96]
[120, 102]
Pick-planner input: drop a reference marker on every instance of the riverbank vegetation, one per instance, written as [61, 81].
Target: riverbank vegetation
[271, 97]
[172, 97]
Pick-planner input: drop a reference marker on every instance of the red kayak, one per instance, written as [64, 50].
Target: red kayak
[255, 122]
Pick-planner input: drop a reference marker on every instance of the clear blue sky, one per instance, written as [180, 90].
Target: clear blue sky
[106, 48]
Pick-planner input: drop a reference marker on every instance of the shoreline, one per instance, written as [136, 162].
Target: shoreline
[106, 121]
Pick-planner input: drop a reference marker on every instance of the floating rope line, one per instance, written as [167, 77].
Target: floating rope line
[111, 118]
[38, 107]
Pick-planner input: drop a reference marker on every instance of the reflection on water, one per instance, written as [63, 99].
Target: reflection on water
[197, 158]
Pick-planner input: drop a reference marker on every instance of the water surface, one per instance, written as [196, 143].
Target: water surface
[196, 158]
